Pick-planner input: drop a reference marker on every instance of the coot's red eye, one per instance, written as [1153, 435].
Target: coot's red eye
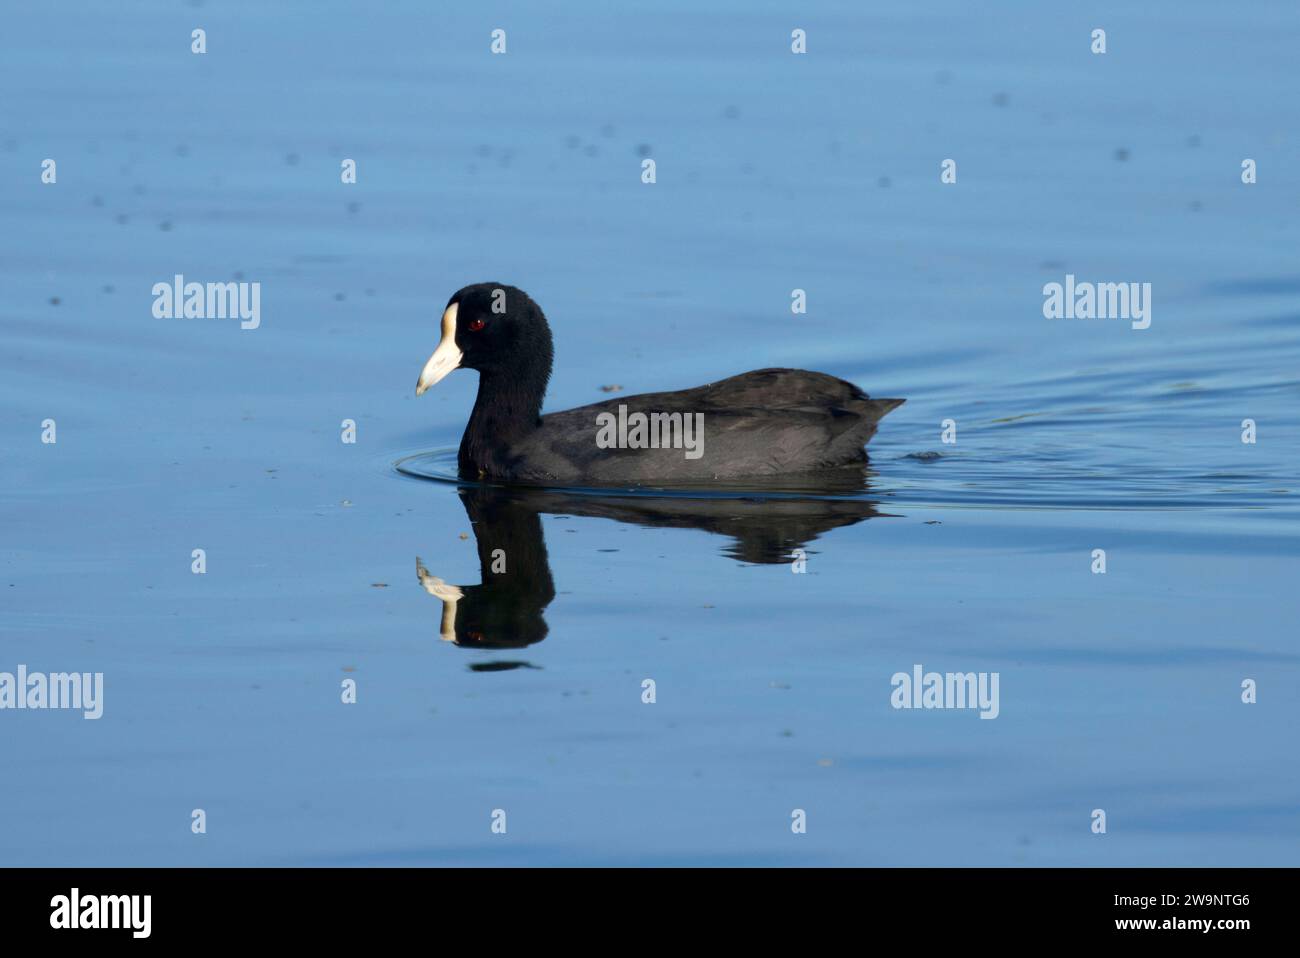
[475, 325]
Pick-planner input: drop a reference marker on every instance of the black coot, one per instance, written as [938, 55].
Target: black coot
[763, 424]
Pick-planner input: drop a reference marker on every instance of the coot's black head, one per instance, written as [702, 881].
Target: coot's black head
[496, 329]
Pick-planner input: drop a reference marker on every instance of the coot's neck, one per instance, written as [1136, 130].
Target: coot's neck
[508, 408]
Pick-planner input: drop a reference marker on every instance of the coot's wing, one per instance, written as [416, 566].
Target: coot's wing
[763, 423]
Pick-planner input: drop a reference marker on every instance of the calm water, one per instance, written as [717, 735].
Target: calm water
[820, 172]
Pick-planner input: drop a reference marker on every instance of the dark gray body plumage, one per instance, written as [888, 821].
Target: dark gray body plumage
[765, 423]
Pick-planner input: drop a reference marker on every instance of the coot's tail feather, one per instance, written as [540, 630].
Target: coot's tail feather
[882, 406]
[847, 445]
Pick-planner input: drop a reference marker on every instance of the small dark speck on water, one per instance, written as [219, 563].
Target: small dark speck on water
[291, 159]
[643, 149]
[928, 456]
[165, 226]
[1121, 154]
[1001, 99]
[54, 301]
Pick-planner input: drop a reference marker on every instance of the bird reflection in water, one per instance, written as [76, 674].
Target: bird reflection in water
[505, 611]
